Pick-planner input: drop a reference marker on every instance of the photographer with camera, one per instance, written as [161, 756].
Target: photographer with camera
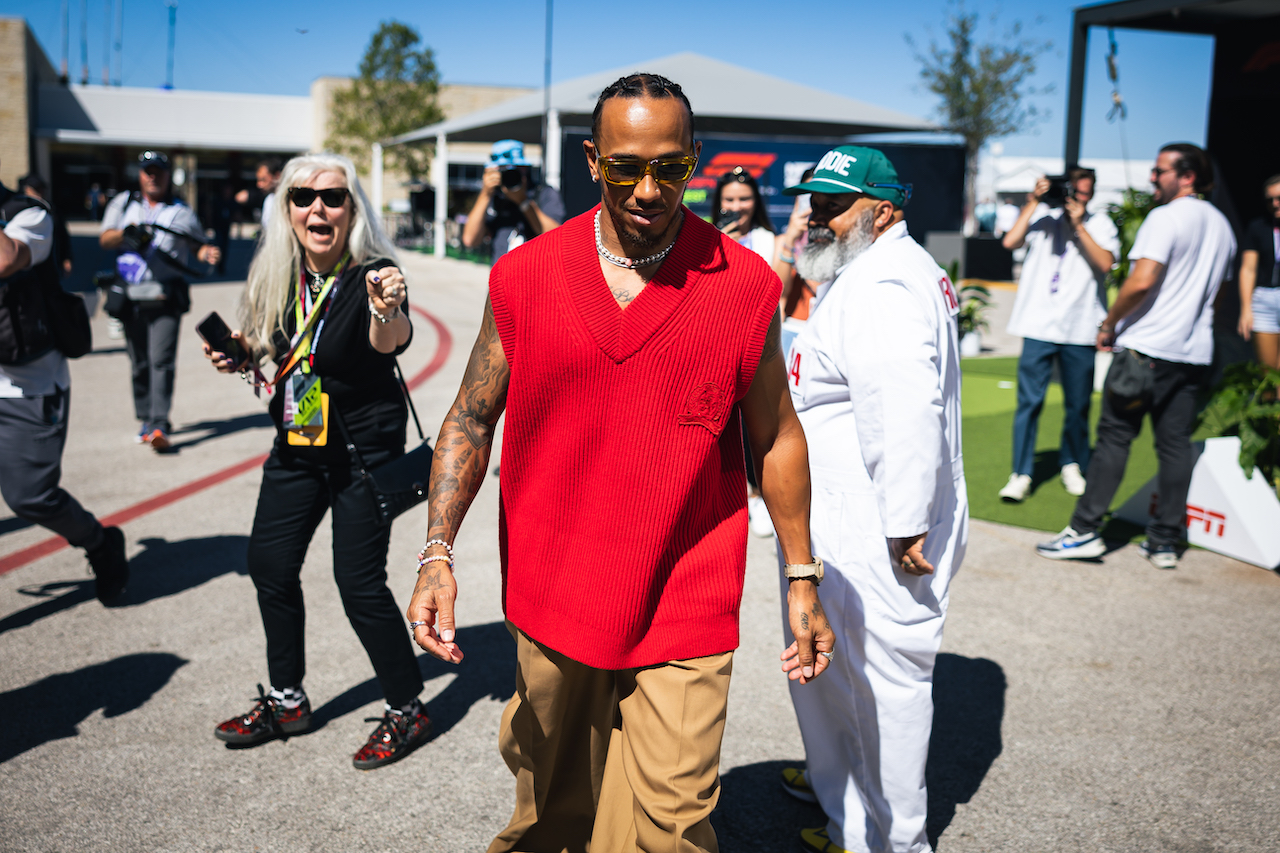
[153, 233]
[510, 208]
[35, 393]
[1062, 296]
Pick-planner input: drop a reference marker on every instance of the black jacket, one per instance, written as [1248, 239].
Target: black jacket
[25, 333]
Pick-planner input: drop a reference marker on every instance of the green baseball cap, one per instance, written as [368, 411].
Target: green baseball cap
[855, 169]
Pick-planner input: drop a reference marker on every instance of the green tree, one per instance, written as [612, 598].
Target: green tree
[394, 94]
[982, 86]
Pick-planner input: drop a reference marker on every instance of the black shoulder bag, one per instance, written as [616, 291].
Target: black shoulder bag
[400, 484]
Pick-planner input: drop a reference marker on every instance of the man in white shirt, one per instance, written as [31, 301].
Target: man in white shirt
[1161, 329]
[35, 396]
[875, 378]
[154, 232]
[267, 179]
[1062, 295]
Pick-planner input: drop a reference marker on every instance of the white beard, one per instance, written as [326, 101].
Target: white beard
[819, 261]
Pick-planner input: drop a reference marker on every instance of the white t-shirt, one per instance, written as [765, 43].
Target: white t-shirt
[1060, 298]
[267, 204]
[49, 372]
[141, 272]
[1193, 241]
[760, 241]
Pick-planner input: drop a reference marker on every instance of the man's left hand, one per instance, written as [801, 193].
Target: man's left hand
[815, 642]
[209, 254]
[908, 554]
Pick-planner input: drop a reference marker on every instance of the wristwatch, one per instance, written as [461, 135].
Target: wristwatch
[804, 571]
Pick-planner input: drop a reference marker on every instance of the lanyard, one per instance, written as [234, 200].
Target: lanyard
[302, 344]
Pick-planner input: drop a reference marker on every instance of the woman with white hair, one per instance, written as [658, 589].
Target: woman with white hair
[326, 302]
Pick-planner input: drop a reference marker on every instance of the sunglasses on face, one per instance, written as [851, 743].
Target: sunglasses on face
[627, 171]
[306, 196]
[1156, 171]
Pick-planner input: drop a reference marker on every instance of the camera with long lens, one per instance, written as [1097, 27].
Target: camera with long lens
[1060, 189]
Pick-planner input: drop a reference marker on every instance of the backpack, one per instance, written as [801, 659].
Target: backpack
[36, 314]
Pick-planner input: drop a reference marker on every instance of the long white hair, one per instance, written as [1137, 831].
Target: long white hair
[275, 267]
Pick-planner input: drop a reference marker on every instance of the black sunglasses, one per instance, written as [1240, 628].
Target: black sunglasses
[306, 196]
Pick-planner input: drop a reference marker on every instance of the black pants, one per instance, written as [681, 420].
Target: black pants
[33, 431]
[151, 337]
[291, 503]
[1173, 415]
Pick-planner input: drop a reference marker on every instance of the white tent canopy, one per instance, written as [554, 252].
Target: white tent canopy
[726, 99]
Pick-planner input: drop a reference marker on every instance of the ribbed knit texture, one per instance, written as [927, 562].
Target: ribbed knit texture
[623, 513]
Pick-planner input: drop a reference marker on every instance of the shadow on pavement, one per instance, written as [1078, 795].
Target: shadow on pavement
[755, 814]
[968, 709]
[160, 570]
[216, 429]
[487, 672]
[9, 525]
[54, 707]
[968, 697]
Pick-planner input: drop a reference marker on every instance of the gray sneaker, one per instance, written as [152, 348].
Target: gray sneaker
[1161, 556]
[1069, 545]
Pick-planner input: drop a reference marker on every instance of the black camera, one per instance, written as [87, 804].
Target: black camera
[511, 178]
[1060, 189]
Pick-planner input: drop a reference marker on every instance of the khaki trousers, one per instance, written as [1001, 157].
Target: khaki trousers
[613, 761]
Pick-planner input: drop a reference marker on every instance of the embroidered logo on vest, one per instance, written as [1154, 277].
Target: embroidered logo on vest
[706, 407]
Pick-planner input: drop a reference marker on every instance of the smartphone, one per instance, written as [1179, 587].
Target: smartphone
[217, 335]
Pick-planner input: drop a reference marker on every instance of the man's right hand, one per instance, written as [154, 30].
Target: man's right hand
[491, 181]
[433, 600]
[1038, 191]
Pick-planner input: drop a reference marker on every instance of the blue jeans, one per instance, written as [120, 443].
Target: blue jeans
[1035, 368]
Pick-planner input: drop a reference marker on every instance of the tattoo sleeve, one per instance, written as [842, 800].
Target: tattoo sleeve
[462, 449]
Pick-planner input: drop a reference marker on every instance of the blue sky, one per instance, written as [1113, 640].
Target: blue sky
[236, 45]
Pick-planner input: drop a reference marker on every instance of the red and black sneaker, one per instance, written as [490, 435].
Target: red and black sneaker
[398, 734]
[267, 719]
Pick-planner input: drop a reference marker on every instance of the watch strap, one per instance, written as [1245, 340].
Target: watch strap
[795, 571]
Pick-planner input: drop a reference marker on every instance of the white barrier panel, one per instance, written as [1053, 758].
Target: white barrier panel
[1225, 512]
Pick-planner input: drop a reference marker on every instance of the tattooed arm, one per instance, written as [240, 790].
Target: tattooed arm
[457, 470]
[781, 457]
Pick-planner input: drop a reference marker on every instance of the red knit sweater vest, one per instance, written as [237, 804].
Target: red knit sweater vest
[623, 507]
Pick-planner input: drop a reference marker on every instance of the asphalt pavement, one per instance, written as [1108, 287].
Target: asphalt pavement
[1098, 706]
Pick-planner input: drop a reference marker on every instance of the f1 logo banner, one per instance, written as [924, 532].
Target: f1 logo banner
[1225, 512]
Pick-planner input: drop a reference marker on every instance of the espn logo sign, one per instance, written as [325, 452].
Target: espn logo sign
[1196, 515]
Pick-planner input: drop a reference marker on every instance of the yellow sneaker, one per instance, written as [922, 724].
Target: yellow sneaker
[795, 783]
[817, 841]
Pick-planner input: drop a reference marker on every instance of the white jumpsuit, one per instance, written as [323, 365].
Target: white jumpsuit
[875, 378]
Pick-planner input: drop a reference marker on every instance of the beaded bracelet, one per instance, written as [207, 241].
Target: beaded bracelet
[437, 558]
[431, 542]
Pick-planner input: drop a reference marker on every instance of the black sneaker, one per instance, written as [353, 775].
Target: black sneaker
[110, 565]
[268, 719]
[398, 734]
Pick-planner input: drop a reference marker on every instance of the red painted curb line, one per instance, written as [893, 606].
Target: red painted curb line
[54, 544]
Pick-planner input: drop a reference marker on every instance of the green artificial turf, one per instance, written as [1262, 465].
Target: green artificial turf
[989, 398]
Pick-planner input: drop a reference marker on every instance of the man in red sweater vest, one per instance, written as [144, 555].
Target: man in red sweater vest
[624, 347]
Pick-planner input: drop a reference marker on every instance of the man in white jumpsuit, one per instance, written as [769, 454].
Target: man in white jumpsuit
[875, 377]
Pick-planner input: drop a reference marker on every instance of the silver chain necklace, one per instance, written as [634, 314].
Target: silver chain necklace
[632, 263]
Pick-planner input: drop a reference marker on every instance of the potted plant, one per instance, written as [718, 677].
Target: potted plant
[974, 300]
[1245, 404]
